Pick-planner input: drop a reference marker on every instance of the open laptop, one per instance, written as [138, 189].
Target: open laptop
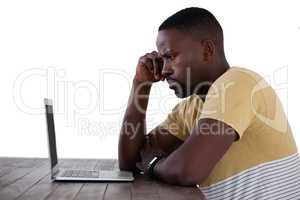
[58, 174]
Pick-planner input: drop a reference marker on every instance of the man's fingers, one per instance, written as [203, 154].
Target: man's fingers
[159, 65]
[151, 60]
[156, 65]
[147, 63]
[153, 64]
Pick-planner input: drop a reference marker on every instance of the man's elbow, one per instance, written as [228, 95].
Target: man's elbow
[186, 181]
[187, 177]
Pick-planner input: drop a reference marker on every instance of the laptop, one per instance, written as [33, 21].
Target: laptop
[58, 174]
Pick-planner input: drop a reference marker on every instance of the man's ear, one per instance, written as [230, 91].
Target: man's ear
[208, 49]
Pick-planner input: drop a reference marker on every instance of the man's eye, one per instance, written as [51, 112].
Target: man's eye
[169, 57]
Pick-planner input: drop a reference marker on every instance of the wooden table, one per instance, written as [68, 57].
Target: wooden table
[29, 178]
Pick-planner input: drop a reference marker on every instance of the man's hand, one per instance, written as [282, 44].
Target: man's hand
[149, 68]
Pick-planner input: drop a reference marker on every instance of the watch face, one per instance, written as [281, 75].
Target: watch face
[151, 166]
[152, 161]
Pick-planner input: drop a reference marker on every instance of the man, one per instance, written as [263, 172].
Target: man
[229, 136]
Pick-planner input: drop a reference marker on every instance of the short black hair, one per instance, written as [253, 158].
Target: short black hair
[196, 21]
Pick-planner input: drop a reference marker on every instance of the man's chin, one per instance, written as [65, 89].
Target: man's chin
[180, 94]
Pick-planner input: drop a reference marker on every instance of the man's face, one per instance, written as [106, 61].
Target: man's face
[184, 66]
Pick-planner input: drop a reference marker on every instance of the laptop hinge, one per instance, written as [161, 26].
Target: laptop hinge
[54, 171]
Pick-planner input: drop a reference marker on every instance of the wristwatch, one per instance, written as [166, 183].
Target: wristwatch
[152, 164]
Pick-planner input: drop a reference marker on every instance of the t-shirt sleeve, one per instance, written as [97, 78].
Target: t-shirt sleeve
[174, 123]
[230, 100]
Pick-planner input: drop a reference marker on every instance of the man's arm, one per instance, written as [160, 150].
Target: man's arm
[193, 161]
[133, 130]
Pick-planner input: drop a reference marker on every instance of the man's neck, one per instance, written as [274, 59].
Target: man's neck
[216, 73]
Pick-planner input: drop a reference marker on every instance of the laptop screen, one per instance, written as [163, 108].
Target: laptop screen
[51, 134]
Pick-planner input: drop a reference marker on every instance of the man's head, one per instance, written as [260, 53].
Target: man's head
[191, 45]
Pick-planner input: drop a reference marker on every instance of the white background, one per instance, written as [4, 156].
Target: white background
[83, 54]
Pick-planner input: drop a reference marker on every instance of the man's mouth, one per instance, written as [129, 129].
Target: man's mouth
[172, 83]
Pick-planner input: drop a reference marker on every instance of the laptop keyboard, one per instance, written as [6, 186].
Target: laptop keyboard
[81, 173]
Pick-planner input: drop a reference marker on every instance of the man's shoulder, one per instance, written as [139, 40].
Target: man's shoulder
[237, 81]
[240, 74]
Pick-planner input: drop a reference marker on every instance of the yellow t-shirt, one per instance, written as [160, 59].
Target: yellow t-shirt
[264, 159]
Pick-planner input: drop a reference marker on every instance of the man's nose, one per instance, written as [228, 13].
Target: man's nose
[166, 70]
